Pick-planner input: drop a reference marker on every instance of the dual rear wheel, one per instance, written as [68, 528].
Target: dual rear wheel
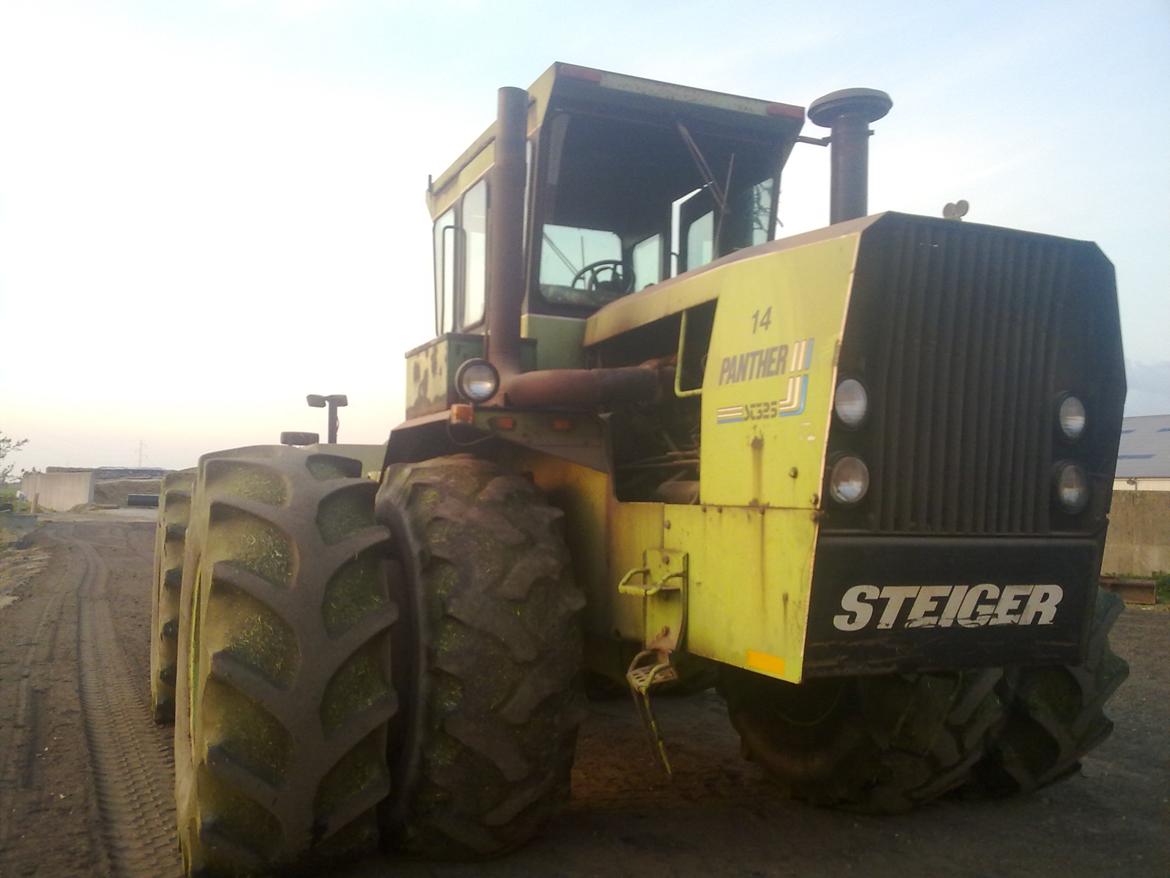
[344, 677]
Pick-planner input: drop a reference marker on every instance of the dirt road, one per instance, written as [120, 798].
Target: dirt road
[85, 775]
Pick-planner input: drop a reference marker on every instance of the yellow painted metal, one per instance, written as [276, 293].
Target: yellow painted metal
[633, 528]
[654, 581]
[559, 340]
[766, 405]
[680, 359]
[478, 158]
[626, 584]
[704, 284]
[748, 571]
[771, 364]
[663, 589]
[666, 609]
[748, 584]
[606, 539]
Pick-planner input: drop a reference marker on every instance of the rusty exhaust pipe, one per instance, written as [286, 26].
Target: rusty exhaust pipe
[847, 114]
[587, 388]
[505, 282]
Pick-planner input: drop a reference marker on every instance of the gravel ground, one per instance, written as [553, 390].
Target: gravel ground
[85, 775]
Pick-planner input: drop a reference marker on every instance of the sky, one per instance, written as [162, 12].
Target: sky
[210, 209]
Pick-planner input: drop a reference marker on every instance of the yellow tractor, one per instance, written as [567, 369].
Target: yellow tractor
[858, 478]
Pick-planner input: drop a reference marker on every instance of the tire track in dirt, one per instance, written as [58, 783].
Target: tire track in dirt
[20, 746]
[132, 771]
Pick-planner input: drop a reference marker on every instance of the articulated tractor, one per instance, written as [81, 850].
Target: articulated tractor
[856, 479]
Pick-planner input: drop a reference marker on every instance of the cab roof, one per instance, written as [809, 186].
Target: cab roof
[571, 87]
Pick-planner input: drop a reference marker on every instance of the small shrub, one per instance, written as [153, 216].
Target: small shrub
[1162, 588]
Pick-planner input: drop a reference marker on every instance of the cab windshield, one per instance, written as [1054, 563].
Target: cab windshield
[628, 202]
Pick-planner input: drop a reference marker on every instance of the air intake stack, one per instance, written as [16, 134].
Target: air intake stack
[505, 282]
[847, 114]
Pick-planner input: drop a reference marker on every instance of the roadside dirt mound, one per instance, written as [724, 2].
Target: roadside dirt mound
[20, 560]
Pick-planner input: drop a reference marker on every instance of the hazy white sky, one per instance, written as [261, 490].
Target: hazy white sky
[208, 210]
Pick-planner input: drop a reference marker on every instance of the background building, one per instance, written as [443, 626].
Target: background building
[1139, 520]
[1143, 460]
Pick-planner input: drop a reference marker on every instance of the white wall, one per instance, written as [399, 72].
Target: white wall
[58, 492]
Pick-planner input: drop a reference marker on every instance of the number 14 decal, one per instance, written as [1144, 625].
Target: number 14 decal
[761, 321]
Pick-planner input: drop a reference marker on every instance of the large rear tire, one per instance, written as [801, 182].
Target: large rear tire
[174, 510]
[489, 687]
[284, 690]
[874, 744]
[1055, 714]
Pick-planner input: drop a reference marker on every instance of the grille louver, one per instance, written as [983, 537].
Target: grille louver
[964, 371]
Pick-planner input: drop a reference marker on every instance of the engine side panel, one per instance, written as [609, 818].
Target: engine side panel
[768, 386]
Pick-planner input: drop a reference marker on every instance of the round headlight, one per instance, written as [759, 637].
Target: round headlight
[1071, 487]
[477, 380]
[1072, 417]
[851, 402]
[849, 480]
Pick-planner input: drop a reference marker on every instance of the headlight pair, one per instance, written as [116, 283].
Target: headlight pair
[849, 476]
[1070, 484]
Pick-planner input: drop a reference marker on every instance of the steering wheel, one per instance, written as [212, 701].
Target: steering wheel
[608, 275]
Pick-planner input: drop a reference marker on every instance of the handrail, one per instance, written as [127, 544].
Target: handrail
[678, 391]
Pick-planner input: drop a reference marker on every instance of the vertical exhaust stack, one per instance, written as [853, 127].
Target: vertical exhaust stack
[847, 114]
[505, 286]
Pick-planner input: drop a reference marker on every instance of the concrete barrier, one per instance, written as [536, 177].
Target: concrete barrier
[1138, 543]
[58, 492]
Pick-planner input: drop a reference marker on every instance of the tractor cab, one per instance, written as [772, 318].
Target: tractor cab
[629, 182]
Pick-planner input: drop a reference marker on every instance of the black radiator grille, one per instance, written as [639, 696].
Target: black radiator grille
[962, 364]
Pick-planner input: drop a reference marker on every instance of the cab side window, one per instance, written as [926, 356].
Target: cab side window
[700, 241]
[460, 241]
[473, 223]
[647, 262]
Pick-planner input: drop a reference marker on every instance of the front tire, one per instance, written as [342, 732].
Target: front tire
[881, 744]
[483, 754]
[1056, 714]
[284, 691]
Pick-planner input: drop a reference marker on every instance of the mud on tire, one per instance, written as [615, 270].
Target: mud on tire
[874, 744]
[1055, 714]
[483, 753]
[174, 509]
[284, 690]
